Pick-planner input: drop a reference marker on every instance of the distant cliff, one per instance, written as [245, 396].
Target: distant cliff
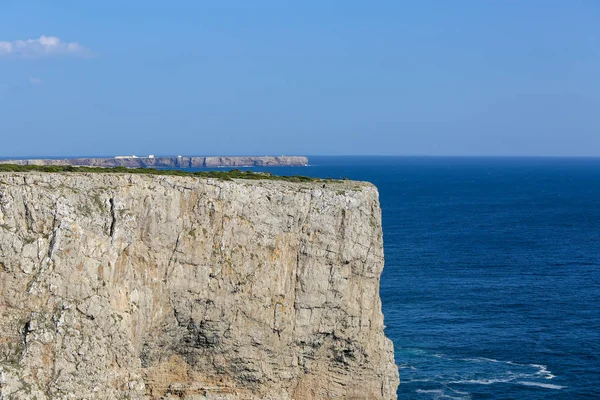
[169, 162]
[121, 286]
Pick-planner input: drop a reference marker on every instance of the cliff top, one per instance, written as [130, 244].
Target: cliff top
[220, 175]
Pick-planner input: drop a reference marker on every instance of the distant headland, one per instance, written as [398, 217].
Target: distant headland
[170, 161]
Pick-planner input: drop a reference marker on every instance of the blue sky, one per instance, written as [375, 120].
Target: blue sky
[312, 77]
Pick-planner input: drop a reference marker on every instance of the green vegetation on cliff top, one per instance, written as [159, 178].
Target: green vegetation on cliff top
[224, 175]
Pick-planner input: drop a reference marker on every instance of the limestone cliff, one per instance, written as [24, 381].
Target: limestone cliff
[120, 286]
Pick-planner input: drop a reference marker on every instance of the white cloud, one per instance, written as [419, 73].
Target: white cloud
[35, 81]
[45, 46]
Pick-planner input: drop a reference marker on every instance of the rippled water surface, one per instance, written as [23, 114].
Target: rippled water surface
[491, 288]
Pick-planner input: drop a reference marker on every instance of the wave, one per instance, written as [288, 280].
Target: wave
[484, 359]
[406, 366]
[440, 394]
[464, 372]
[480, 381]
[508, 380]
[543, 371]
[542, 385]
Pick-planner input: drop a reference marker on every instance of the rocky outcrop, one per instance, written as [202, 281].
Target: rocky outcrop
[120, 286]
[170, 162]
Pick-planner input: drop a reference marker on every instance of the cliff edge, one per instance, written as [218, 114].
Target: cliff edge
[121, 286]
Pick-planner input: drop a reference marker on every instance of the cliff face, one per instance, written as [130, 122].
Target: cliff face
[157, 287]
[170, 162]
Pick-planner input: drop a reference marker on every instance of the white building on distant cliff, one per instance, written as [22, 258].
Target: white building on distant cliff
[149, 156]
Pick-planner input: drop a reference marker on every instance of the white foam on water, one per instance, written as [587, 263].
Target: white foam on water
[542, 385]
[406, 366]
[543, 370]
[511, 376]
[439, 394]
[480, 381]
[458, 391]
[413, 350]
[483, 359]
[483, 371]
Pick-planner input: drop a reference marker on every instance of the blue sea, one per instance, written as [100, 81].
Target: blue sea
[491, 286]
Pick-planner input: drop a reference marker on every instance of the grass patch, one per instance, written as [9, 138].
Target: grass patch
[223, 175]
